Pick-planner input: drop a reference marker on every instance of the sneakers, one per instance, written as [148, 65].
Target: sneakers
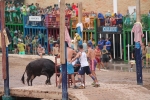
[75, 87]
[96, 85]
[93, 83]
[81, 87]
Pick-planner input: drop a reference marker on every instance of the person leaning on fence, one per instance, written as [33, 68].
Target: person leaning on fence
[40, 51]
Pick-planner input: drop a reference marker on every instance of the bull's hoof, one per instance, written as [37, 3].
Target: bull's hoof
[49, 84]
[46, 82]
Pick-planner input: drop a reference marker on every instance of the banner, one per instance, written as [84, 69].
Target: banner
[34, 18]
[109, 29]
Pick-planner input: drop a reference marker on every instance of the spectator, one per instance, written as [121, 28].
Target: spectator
[108, 14]
[119, 19]
[76, 9]
[134, 15]
[147, 54]
[132, 62]
[108, 47]
[24, 10]
[149, 13]
[72, 44]
[73, 6]
[40, 51]
[27, 46]
[87, 22]
[107, 21]
[15, 42]
[21, 47]
[143, 54]
[85, 46]
[14, 13]
[112, 21]
[98, 56]
[128, 14]
[90, 42]
[51, 40]
[56, 50]
[34, 44]
[101, 43]
[101, 18]
[105, 57]
[93, 14]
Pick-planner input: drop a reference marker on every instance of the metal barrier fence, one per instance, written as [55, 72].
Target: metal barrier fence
[88, 32]
[128, 42]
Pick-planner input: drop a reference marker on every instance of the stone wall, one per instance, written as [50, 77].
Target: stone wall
[99, 5]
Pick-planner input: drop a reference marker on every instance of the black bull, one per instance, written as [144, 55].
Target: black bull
[41, 67]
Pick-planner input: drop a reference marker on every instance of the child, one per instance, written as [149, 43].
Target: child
[21, 47]
[147, 54]
[56, 50]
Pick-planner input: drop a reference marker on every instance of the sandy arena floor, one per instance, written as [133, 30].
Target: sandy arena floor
[107, 78]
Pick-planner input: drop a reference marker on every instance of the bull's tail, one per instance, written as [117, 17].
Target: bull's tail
[22, 79]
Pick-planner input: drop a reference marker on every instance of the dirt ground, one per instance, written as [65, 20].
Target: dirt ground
[17, 67]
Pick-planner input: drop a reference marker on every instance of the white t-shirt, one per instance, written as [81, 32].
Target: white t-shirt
[83, 60]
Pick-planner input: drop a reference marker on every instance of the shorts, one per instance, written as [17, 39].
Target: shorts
[98, 59]
[84, 70]
[109, 53]
[132, 62]
[93, 64]
[22, 53]
[70, 69]
[15, 46]
[56, 55]
[147, 56]
[105, 58]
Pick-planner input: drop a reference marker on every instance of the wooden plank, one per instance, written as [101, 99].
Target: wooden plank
[2, 8]
[80, 12]
[80, 15]
[62, 32]
[42, 91]
[138, 11]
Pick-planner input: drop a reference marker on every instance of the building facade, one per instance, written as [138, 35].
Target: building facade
[99, 5]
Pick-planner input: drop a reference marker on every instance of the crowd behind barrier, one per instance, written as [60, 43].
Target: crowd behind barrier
[50, 18]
